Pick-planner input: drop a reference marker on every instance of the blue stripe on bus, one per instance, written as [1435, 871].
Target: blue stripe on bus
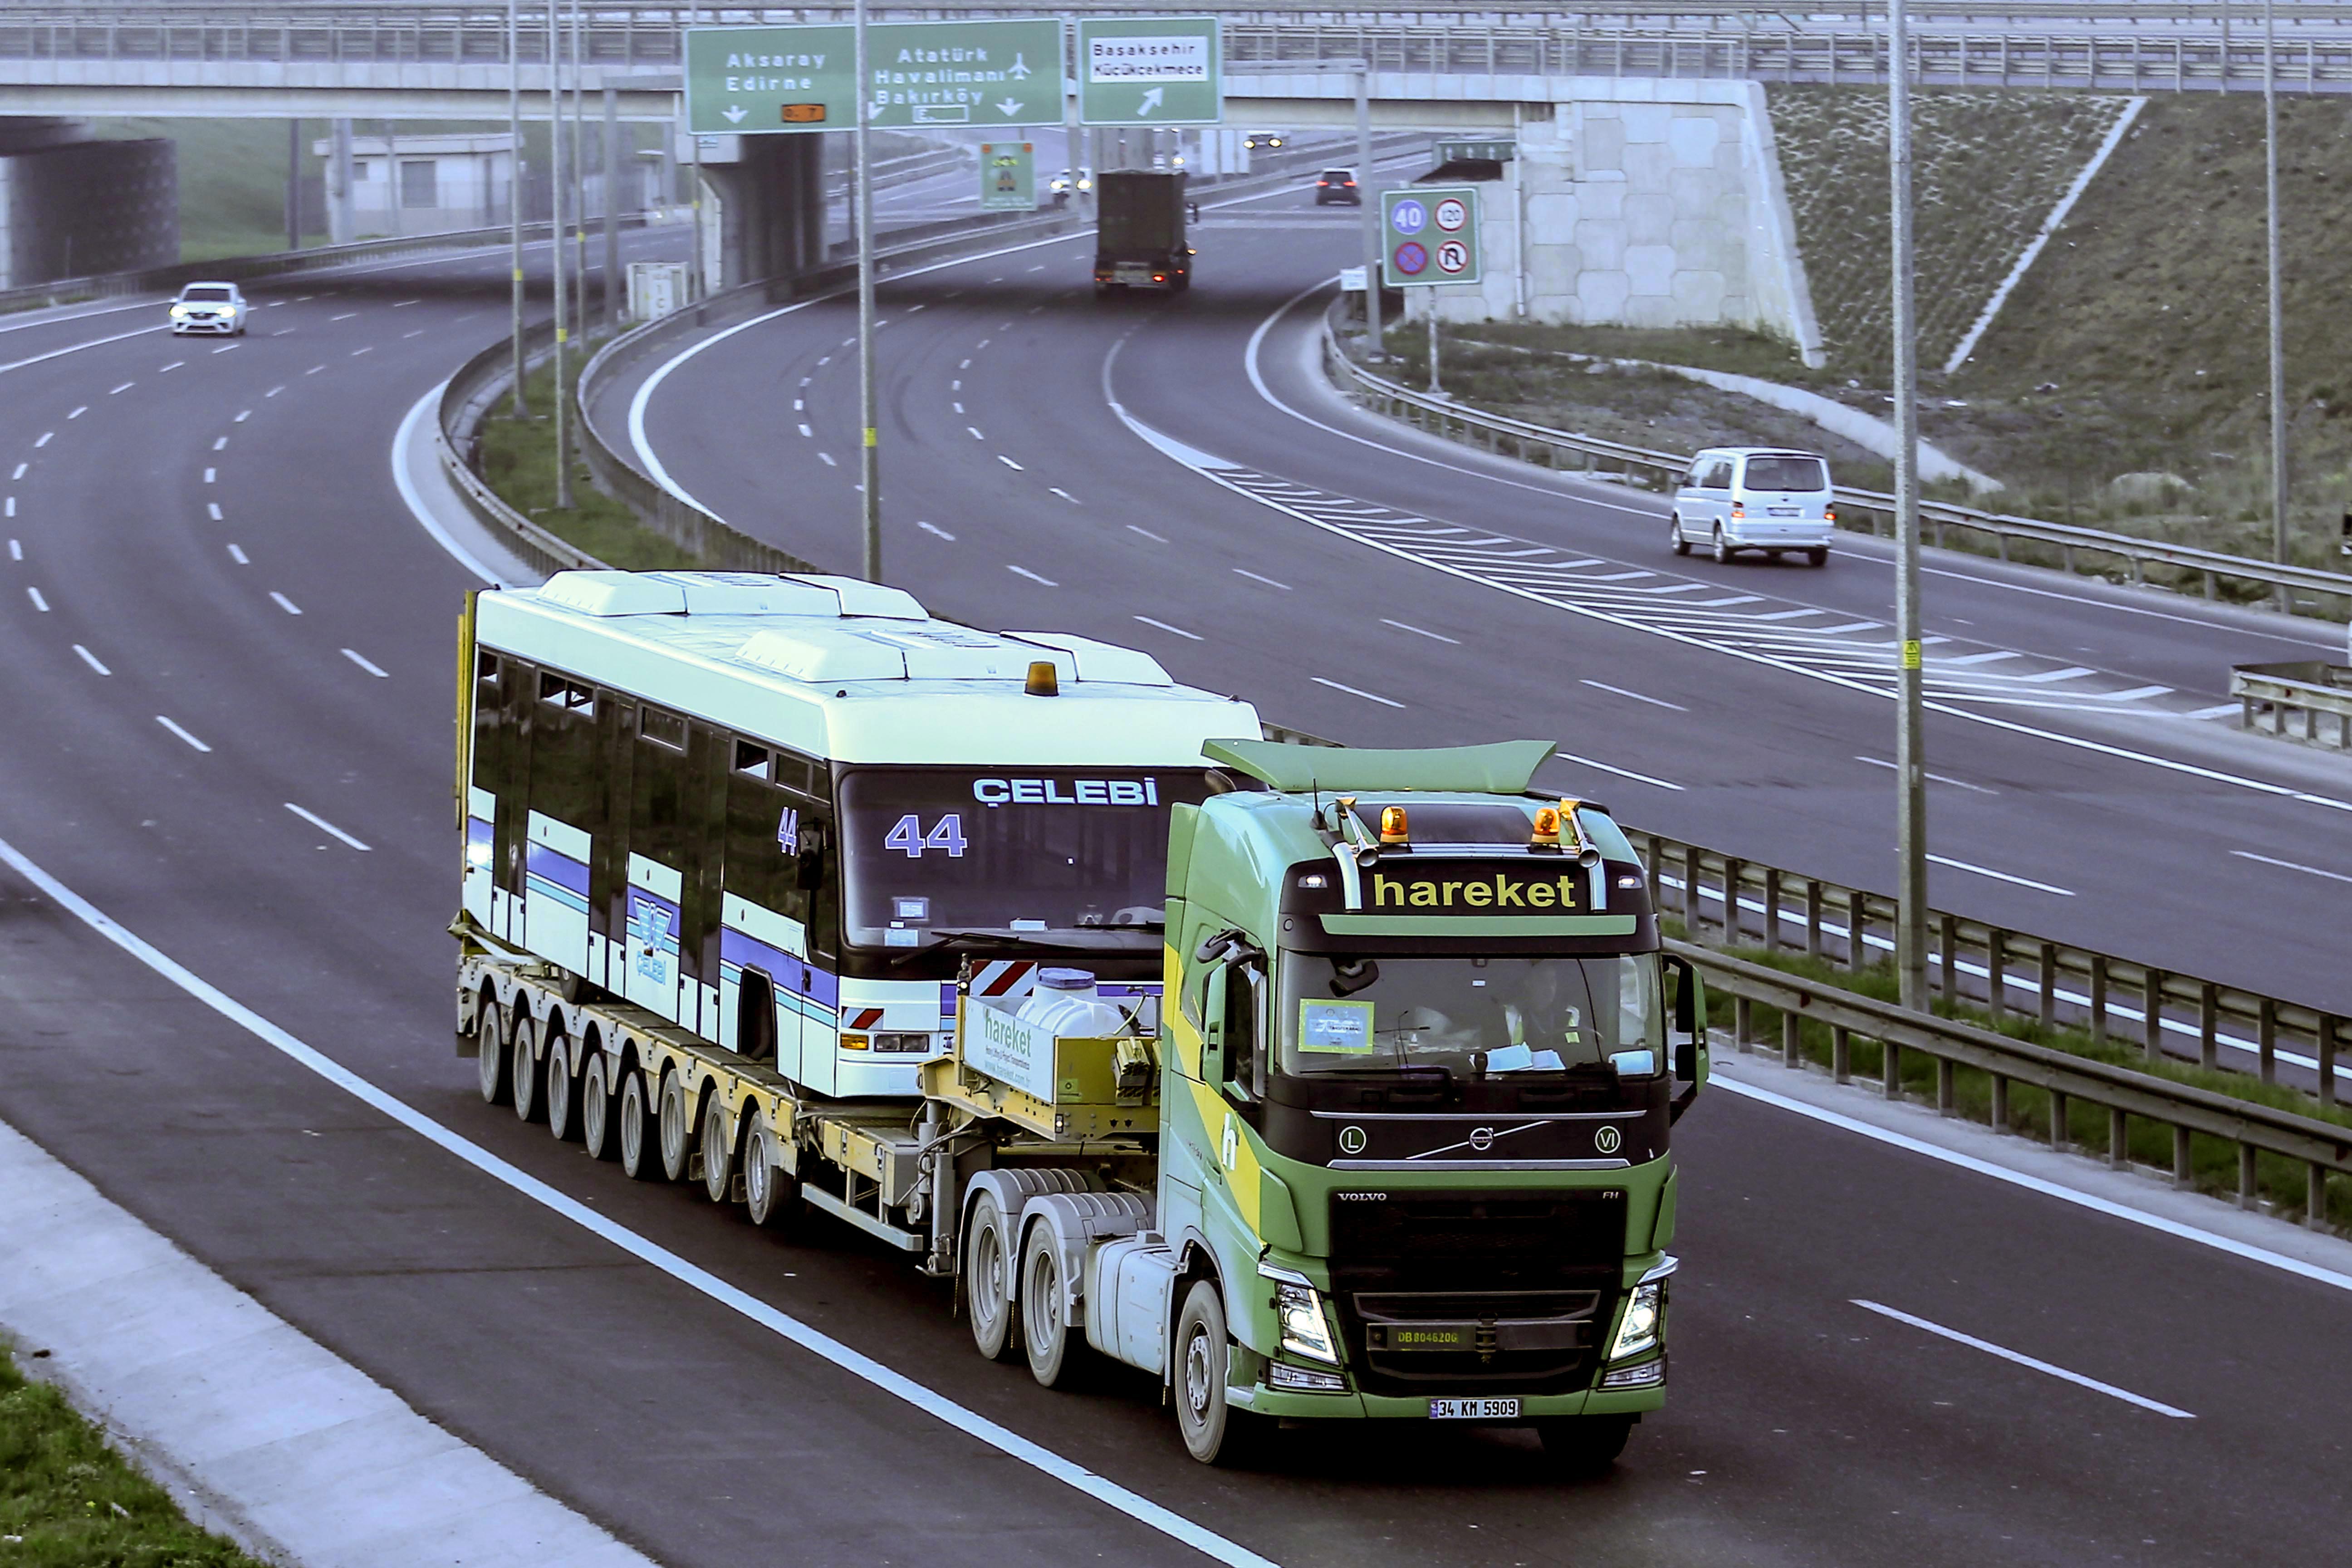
[558, 867]
[793, 974]
[539, 887]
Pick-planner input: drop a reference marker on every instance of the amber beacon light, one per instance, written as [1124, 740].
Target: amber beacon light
[1393, 824]
[1042, 680]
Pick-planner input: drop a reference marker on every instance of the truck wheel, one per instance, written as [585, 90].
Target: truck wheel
[1581, 1448]
[677, 1130]
[491, 1056]
[1214, 1432]
[563, 1091]
[527, 1073]
[995, 1315]
[718, 1152]
[595, 1113]
[771, 1196]
[636, 1131]
[1056, 1354]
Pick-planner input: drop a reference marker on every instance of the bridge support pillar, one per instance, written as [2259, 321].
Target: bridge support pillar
[770, 210]
[342, 217]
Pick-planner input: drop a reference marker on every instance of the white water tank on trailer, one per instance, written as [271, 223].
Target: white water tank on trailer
[1065, 1002]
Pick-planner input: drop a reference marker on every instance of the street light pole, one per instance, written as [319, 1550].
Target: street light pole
[2277, 303]
[870, 456]
[514, 195]
[1910, 765]
[1371, 208]
[555, 239]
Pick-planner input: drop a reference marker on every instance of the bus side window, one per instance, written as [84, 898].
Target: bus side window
[517, 684]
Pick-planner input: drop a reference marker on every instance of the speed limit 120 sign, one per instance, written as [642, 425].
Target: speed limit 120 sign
[1429, 235]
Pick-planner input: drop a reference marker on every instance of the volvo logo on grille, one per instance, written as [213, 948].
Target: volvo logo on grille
[1482, 1139]
[1351, 1140]
[1607, 1140]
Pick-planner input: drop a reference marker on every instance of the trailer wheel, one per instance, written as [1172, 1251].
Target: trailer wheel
[676, 1129]
[718, 1152]
[1583, 1447]
[995, 1315]
[1214, 1432]
[636, 1127]
[490, 1055]
[1056, 1354]
[595, 1111]
[562, 1090]
[525, 1072]
[771, 1196]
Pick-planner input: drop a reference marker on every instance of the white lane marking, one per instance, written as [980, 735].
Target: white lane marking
[824, 359]
[1621, 773]
[1790, 614]
[424, 408]
[1621, 691]
[2218, 711]
[1164, 625]
[1155, 538]
[2077, 1378]
[1938, 778]
[1968, 658]
[8, 509]
[805, 379]
[238, 557]
[213, 507]
[15, 551]
[20, 471]
[781, 1324]
[935, 528]
[1852, 626]
[38, 603]
[181, 733]
[369, 350]
[282, 331]
[965, 365]
[220, 442]
[2000, 876]
[404, 304]
[827, 458]
[956, 385]
[417, 333]
[211, 476]
[2135, 694]
[1254, 577]
[985, 342]
[242, 416]
[314, 370]
[2037, 1185]
[275, 390]
[2043, 676]
[959, 408]
[91, 660]
[974, 431]
[2291, 866]
[285, 603]
[1617, 576]
[1058, 491]
[367, 664]
[323, 826]
[74, 349]
[1024, 571]
[346, 316]
[124, 387]
[1009, 463]
[806, 431]
[1352, 691]
[228, 348]
[173, 366]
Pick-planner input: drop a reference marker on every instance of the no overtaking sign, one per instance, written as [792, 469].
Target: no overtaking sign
[1429, 236]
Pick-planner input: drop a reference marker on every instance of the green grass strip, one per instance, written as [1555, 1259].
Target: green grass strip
[517, 462]
[69, 1500]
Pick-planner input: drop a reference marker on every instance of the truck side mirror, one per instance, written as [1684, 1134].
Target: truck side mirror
[1689, 1021]
[1213, 1029]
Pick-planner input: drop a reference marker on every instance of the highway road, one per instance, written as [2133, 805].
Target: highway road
[229, 648]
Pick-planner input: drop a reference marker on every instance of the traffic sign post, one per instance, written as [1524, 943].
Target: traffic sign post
[1008, 176]
[981, 74]
[1429, 237]
[1150, 71]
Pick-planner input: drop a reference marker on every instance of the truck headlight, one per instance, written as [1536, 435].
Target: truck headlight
[1637, 1331]
[1299, 1306]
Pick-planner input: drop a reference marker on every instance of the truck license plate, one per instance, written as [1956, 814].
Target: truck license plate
[1474, 1409]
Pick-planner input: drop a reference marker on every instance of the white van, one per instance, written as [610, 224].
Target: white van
[1755, 497]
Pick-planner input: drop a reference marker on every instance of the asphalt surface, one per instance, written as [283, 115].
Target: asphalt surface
[1802, 1427]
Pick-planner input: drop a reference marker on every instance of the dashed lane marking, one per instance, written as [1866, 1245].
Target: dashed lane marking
[2291, 866]
[38, 603]
[1164, 625]
[2077, 1378]
[91, 660]
[1254, 577]
[285, 603]
[1933, 778]
[220, 442]
[323, 826]
[935, 528]
[1009, 463]
[1420, 632]
[1355, 691]
[2000, 876]
[1024, 571]
[238, 557]
[1621, 773]
[1621, 691]
[1155, 538]
[175, 729]
[366, 663]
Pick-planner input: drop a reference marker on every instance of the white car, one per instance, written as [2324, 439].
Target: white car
[1755, 497]
[209, 308]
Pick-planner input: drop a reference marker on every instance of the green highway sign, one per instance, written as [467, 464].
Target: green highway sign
[1150, 71]
[1489, 151]
[986, 75]
[1008, 176]
[1429, 235]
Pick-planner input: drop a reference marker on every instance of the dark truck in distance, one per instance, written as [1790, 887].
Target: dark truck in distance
[1139, 231]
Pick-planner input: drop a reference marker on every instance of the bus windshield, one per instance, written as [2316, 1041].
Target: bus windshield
[1475, 1018]
[928, 852]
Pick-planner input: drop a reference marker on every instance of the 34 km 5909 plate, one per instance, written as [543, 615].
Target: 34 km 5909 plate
[1474, 1409]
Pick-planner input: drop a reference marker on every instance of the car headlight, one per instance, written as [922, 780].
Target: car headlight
[1299, 1306]
[179, 309]
[1644, 1316]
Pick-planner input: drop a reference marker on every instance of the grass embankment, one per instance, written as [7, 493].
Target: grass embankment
[2213, 1162]
[233, 182]
[517, 462]
[69, 1500]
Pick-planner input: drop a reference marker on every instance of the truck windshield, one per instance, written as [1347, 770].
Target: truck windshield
[1473, 1017]
[931, 852]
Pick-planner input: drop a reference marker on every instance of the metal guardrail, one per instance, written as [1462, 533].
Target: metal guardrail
[465, 399]
[2133, 60]
[1654, 470]
[2322, 1147]
[2167, 1015]
[2309, 687]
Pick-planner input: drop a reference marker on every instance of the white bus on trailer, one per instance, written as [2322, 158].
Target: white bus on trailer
[686, 790]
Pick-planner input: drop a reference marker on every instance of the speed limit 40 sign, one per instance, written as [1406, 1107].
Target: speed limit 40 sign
[1429, 235]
